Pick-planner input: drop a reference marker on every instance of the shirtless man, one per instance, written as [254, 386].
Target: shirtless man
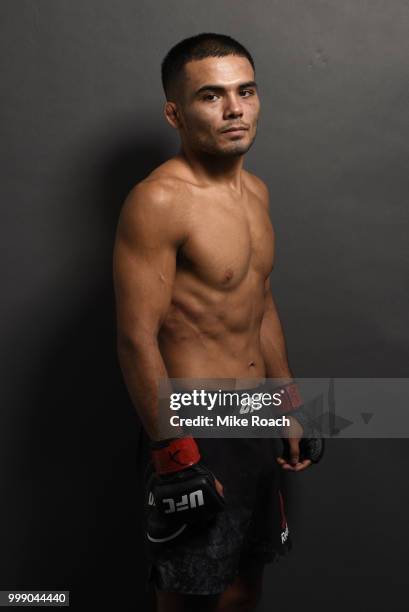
[193, 255]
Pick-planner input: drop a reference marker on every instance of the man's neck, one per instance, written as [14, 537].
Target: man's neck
[215, 170]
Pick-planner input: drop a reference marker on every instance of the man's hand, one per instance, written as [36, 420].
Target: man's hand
[291, 443]
[181, 492]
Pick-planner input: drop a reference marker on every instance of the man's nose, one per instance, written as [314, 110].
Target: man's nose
[233, 107]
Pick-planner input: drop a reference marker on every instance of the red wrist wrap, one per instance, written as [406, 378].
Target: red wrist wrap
[178, 455]
[290, 397]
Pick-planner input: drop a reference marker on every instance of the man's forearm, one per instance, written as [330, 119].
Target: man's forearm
[273, 346]
[142, 367]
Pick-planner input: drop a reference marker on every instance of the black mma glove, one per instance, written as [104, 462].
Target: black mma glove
[180, 490]
[311, 444]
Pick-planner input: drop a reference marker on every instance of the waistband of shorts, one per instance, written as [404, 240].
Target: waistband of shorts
[253, 389]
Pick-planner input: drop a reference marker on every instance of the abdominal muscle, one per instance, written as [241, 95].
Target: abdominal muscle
[224, 366]
[214, 334]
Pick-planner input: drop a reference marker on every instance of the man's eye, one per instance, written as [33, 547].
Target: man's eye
[209, 96]
[248, 91]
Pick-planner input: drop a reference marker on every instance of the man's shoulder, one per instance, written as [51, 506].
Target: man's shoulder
[155, 206]
[163, 187]
[257, 186]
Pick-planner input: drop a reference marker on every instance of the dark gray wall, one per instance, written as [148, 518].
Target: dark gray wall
[81, 123]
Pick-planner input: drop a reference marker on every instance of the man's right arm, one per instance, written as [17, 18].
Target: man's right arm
[148, 236]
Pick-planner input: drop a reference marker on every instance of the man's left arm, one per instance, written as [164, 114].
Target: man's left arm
[272, 340]
[274, 351]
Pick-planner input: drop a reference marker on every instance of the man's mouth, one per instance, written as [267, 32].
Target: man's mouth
[235, 129]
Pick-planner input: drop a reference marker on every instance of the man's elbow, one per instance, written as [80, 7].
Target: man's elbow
[135, 342]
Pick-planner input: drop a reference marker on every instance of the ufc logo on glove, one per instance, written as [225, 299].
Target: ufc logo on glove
[194, 499]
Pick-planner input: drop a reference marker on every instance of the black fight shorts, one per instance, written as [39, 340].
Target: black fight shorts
[251, 530]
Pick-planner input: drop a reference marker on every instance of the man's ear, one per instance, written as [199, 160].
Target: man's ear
[171, 113]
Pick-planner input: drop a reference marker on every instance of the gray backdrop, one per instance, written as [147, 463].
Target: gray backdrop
[82, 122]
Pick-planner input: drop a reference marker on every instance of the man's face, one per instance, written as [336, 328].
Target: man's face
[219, 94]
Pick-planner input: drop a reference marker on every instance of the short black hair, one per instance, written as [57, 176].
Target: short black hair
[207, 44]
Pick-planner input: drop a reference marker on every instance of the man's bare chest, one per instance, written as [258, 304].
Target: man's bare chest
[227, 240]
